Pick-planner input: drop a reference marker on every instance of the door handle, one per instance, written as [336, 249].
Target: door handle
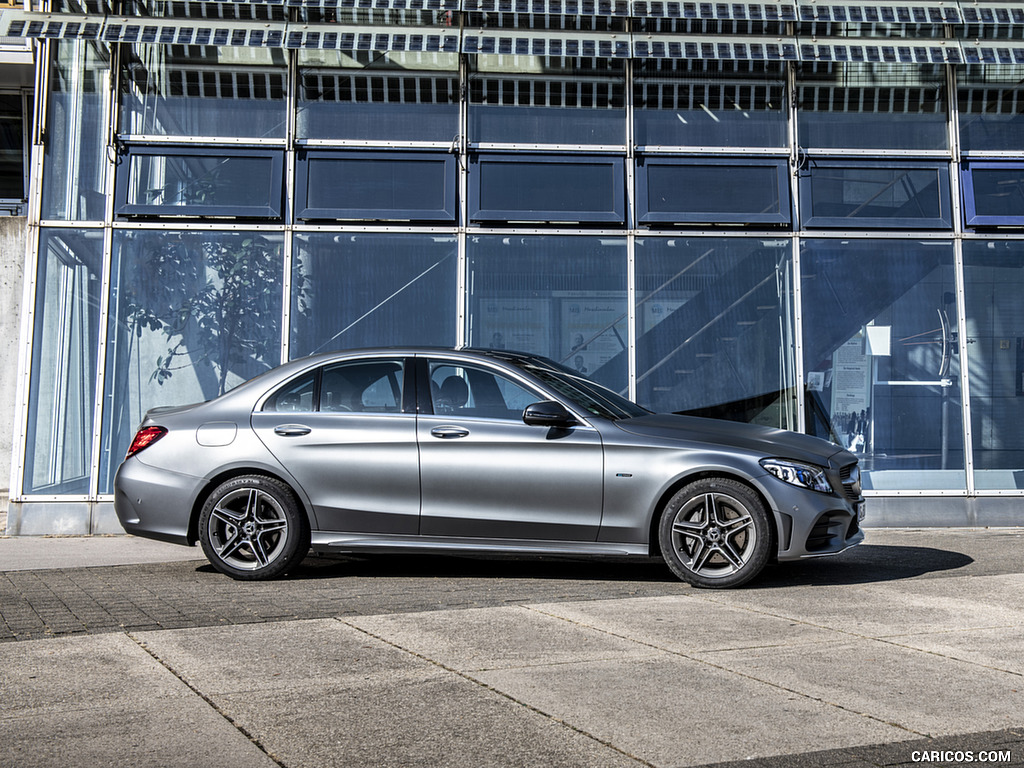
[449, 433]
[292, 430]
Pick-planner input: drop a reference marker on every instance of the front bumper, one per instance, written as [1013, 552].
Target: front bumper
[813, 524]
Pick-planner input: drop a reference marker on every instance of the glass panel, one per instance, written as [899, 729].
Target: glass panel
[994, 280]
[204, 91]
[875, 195]
[367, 290]
[377, 185]
[541, 100]
[871, 106]
[192, 314]
[715, 328]
[710, 104]
[199, 183]
[881, 357]
[75, 163]
[12, 146]
[561, 297]
[64, 348]
[466, 390]
[295, 397]
[990, 100]
[374, 387]
[535, 188]
[993, 193]
[725, 191]
[378, 96]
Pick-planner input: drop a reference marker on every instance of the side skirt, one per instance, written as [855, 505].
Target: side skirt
[326, 541]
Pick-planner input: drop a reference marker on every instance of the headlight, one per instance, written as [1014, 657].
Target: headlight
[795, 473]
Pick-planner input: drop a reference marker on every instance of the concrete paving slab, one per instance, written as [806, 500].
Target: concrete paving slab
[874, 610]
[293, 655]
[321, 693]
[688, 624]
[440, 720]
[888, 682]
[999, 648]
[102, 700]
[495, 638]
[673, 711]
[76, 672]
[137, 732]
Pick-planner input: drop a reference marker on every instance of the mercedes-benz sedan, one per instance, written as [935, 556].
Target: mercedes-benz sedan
[476, 451]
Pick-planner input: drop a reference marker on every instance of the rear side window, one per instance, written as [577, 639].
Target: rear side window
[367, 387]
[371, 386]
[294, 397]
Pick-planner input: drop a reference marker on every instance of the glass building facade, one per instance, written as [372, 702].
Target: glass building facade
[800, 216]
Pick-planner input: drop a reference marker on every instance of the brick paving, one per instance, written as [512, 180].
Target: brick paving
[48, 603]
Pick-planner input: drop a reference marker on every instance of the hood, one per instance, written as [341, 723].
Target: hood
[767, 441]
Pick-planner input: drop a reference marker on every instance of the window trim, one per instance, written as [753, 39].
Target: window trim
[615, 216]
[810, 221]
[303, 212]
[275, 184]
[971, 216]
[645, 215]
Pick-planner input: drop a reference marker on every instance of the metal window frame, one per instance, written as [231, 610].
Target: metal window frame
[971, 216]
[479, 214]
[446, 213]
[643, 197]
[810, 221]
[124, 209]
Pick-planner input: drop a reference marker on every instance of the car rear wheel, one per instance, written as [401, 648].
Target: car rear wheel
[252, 528]
[715, 533]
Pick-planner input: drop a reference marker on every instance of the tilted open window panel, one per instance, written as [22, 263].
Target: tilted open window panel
[618, 28]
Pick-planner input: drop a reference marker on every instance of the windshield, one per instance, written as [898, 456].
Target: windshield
[586, 394]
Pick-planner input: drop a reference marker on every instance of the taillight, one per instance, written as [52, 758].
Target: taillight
[144, 438]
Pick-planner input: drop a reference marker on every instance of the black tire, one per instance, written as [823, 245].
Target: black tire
[715, 533]
[252, 528]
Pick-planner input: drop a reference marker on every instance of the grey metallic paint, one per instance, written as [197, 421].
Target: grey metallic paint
[386, 482]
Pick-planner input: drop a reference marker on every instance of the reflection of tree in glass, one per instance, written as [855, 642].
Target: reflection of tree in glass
[216, 299]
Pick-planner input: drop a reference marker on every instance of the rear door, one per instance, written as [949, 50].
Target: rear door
[486, 474]
[345, 435]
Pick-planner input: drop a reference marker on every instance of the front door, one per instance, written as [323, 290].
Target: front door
[486, 474]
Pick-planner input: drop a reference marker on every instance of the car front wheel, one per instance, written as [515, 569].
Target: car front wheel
[252, 528]
[715, 533]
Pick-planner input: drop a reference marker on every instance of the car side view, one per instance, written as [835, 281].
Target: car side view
[439, 450]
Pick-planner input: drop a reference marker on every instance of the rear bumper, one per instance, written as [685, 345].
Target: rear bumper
[154, 503]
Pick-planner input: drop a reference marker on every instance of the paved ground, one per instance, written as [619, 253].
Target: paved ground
[907, 650]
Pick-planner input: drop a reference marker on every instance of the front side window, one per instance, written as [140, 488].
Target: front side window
[467, 390]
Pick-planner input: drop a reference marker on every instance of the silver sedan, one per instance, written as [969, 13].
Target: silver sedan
[476, 451]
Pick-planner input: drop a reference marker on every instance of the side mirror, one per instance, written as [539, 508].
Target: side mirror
[548, 413]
